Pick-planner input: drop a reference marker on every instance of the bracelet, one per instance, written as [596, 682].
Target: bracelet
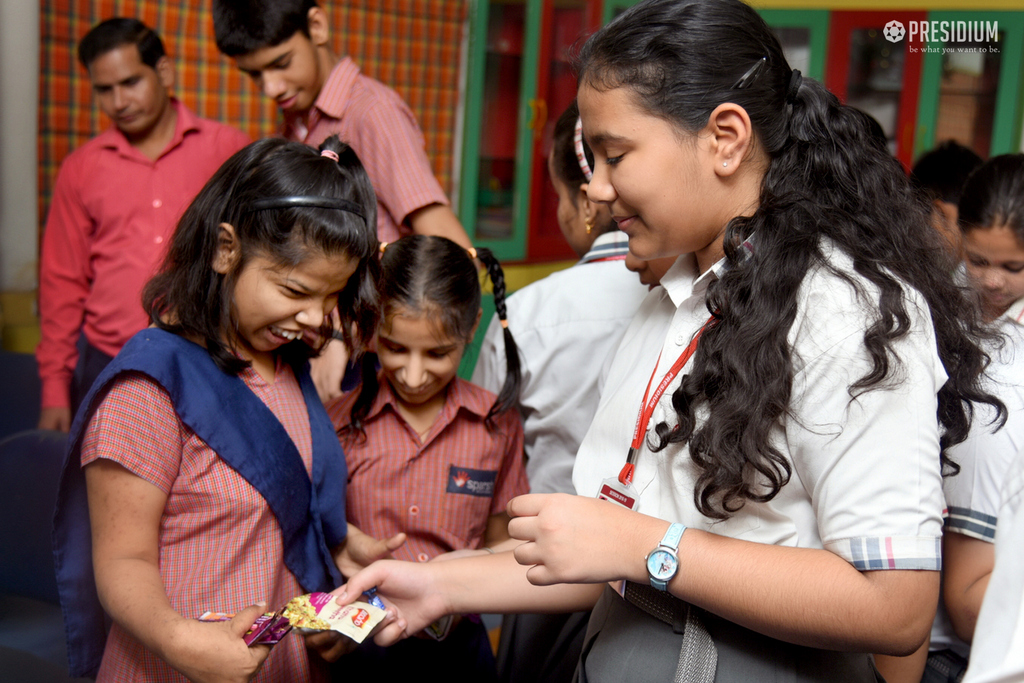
[490, 550]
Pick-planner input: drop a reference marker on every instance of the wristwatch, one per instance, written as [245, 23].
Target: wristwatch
[663, 562]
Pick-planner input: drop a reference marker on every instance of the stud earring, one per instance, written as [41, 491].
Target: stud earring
[724, 164]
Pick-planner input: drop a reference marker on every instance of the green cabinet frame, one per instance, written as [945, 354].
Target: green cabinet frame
[512, 248]
[1006, 125]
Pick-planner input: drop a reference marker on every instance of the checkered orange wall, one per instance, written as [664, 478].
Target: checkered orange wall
[412, 45]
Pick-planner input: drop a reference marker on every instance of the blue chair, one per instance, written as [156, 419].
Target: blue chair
[19, 393]
[32, 643]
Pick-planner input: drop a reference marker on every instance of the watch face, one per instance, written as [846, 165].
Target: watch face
[662, 565]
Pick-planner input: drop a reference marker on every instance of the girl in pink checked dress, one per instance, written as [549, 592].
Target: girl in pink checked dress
[204, 473]
[431, 455]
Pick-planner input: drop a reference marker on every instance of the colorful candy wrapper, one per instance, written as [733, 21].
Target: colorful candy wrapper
[268, 629]
[371, 597]
[319, 612]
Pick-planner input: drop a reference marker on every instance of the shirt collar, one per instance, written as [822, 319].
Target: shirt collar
[683, 281]
[1015, 313]
[608, 245]
[337, 89]
[186, 123]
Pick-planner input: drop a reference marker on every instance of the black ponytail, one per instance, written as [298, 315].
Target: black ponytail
[828, 180]
[433, 276]
[509, 394]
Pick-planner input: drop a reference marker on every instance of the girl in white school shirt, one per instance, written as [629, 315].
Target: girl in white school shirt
[799, 445]
[991, 219]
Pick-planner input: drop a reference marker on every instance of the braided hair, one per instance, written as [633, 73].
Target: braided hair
[433, 276]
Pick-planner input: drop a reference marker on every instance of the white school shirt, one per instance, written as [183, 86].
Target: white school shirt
[565, 326]
[997, 655]
[866, 481]
[973, 496]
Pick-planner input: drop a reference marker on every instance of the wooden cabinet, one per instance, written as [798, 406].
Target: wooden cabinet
[519, 80]
[970, 89]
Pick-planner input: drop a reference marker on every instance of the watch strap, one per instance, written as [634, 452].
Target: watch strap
[670, 541]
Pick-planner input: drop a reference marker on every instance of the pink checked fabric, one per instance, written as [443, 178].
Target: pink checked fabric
[398, 483]
[220, 545]
[379, 126]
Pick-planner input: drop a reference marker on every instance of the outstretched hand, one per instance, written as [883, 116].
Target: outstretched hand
[574, 539]
[408, 588]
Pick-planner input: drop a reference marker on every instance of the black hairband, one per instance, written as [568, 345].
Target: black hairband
[795, 80]
[310, 201]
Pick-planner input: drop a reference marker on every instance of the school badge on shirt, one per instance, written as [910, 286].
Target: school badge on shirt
[472, 482]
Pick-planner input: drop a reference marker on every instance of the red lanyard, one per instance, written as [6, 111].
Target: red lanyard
[647, 407]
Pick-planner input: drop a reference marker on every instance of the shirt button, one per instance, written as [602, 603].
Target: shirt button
[158, 239]
[157, 203]
[422, 557]
[414, 509]
[681, 340]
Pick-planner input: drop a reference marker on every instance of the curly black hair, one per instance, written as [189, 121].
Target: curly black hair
[827, 181]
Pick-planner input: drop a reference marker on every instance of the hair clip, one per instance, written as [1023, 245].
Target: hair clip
[309, 201]
[383, 246]
[472, 252]
[747, 79]
[581, 155]
[330, 154]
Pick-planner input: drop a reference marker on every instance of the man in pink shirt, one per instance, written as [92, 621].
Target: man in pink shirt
[115, 204]
[284, 46]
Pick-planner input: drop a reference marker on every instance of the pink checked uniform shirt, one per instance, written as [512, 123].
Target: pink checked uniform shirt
[112, 215]
[381, 128]
[440, 491]
[220, 545]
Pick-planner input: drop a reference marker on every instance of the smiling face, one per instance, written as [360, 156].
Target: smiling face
[133, 95]
[994, 259]
[418, 358]
[657, 180]
[289, 73]
[275, 304]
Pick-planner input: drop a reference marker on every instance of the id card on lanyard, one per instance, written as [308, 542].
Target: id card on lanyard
[620, 489]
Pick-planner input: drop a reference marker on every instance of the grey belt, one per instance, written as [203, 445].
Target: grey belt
[698, 657]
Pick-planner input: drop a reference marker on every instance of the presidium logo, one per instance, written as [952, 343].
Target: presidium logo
[954, 36]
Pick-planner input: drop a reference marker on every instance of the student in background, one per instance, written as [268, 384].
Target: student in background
[429, 455]
[565, 325]
[991, 217]
[941, 174]
[114, 208]
[204, 473]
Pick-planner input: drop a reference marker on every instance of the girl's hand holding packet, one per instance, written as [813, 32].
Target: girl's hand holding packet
[312, 613]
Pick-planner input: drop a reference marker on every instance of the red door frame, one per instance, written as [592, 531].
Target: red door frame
[547, 246]
[841, 27]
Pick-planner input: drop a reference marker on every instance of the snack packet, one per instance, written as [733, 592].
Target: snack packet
[318, 612]
[268, 629]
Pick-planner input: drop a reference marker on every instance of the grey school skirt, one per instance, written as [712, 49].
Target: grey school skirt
[624, 643]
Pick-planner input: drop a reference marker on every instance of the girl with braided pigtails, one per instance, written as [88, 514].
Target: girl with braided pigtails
[430, 455]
